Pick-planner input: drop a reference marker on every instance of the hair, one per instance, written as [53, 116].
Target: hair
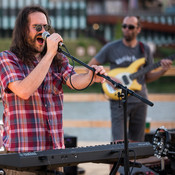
[138, 19]
[19, 44]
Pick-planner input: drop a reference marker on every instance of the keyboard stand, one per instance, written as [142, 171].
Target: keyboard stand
[120, 162]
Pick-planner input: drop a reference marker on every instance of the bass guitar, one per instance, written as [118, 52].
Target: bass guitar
[128, 76]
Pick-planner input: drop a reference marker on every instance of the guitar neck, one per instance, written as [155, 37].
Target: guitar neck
[144, 70]
[149, 68]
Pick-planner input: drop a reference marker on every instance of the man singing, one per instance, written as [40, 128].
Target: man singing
[32, 73]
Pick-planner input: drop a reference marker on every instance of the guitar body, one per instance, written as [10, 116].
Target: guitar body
[123, 74]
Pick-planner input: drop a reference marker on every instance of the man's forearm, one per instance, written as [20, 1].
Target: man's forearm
[26, 87]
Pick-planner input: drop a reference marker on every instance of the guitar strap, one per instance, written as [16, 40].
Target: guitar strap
[142, 49]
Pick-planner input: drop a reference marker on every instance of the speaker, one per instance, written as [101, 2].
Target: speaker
[70, 141]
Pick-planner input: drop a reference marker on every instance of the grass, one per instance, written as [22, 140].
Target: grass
[4, 44]
[162, 85]
[72, 46]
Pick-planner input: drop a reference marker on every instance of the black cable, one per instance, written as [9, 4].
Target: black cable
[134, 161]
[116, 165]
[72, 72]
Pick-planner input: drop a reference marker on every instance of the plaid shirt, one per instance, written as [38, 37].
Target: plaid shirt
[34, 124]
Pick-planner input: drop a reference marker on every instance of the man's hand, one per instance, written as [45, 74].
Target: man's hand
[114, 79]
[166, 64]
[101, 71]
[52, 43]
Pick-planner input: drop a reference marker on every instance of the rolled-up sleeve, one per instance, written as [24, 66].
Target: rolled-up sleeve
[66, 69]
[10, 70]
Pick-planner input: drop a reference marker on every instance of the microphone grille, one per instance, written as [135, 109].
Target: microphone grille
[45, 35]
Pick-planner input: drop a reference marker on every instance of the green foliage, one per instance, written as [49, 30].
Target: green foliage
[74, 45]
[162, 85]
[95, 88]
[71, 45]
[164, 51]
[118, 31]
[5, 44]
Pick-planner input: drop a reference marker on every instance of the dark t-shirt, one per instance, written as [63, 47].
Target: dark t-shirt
[118, 55]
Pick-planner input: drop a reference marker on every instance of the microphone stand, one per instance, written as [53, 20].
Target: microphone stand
[124, 95]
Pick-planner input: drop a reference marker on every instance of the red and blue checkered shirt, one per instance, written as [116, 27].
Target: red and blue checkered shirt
[34, 124]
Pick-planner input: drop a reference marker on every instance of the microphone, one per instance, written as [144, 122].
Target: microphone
[47, 34]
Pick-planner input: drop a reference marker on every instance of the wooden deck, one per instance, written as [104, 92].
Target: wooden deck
[105, 123]
[170, 72]
[84, 97]
[74, 97]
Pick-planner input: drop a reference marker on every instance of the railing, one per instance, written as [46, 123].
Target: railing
[73, 97]
[107, 123]
[170, 72]
[100, 97]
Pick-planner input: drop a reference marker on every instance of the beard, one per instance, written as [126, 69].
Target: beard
[129, 38]
[31, 42]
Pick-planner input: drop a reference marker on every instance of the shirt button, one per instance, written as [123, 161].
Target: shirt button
[45, 105]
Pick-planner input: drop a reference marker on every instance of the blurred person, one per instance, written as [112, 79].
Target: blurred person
[121, 54]
[32, 73]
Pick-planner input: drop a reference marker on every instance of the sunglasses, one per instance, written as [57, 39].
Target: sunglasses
[130, 26]
[38, 27]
